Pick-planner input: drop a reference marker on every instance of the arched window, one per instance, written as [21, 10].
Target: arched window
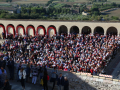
[99, 30]
[112, 31]
[51, 31]
[86, 30]
[30, 30]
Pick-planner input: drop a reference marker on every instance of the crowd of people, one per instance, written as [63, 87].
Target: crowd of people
[76, 53]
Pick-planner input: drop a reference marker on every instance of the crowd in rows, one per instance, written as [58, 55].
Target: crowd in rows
[85, 53]
[76, 53]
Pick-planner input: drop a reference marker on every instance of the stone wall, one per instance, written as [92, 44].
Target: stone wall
[89, 82]
[80, 81]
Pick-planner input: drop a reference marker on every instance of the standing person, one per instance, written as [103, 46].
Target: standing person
[4, 71]
[11, 68]
[45, 80]
[18, 68]
[2, 78]
[22, 76]
[54, 76]
[34, 74]
[28, 72]
[41, 70]
[60, 82]
[66, 83]
[3, 35]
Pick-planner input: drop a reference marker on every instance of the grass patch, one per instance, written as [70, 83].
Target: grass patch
[114, 13]
[117, 1]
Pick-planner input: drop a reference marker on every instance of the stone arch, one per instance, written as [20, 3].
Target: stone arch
[99, 30]
[86, 30]
[28, 29]
[112, 31]
[63, 30]
[51, 27]
[41, 27]
[18, 29]
[74, 30]
[3, 27]
[8, 29]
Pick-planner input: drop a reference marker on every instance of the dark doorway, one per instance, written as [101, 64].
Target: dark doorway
[111, 31]
[74, 30]
[63, 30]
[86, 30]
[99, 30]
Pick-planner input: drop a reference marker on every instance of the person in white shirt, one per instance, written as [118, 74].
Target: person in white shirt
[22, 76]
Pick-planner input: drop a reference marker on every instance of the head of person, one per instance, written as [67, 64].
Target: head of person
[21, 69]
[65, 78]
[60, 74]
[2, 68]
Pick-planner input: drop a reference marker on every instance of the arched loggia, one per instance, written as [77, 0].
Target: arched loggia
[63, 30]
[10, 29]
[51, 30]
[99, 30]
[20, 29]
[86, 30]
[112, 31]
[74, 30]
[2, 29]
[41, 30]
[28, 30]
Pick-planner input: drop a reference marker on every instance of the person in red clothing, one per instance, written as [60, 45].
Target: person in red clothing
[91, 70]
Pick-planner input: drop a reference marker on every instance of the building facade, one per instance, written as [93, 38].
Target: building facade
[32, 27]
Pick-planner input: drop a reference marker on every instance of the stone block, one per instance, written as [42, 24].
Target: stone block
[95, 76]
[116, 80]
[101, 80]
[84, 74]
[109, 79]
[77, 73]
[90, 75]
[101, 77]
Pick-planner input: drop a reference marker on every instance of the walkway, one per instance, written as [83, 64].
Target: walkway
[113, 66]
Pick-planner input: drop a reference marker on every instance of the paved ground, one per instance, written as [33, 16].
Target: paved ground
[29, 86]
[113, 67]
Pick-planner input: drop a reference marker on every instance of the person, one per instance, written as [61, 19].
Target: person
[45, 81]
[60, 82]
[7, 85]
[4, 71]
[66, 83]
[3, 35]
[34, 74]
[22, 76]
[2, 78]
[41, 71]
[11, 68]
[54, 76]
[27, 72]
